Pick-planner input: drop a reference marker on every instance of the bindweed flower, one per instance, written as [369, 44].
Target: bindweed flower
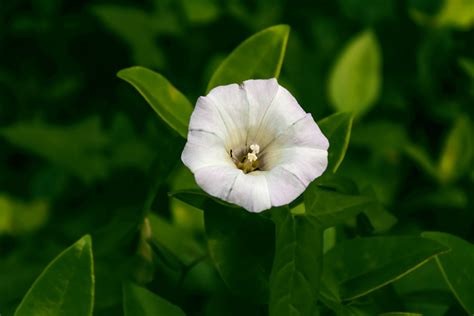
[253, 145]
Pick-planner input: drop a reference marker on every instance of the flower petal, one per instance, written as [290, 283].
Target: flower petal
[232, 107]
[251, 192]
[218, 180]
[272, 110]
[301, 150]
[203, 149]
[283, 186]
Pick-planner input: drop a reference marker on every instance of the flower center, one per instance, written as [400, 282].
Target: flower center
[249, 161]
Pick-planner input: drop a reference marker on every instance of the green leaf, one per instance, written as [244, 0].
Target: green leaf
[330, 208]
[357, 267]
[135, 27]
[78, 148]
[457, 267]
[140, 301]
[296, 272]
[454, 13]
[355, 79]
[457, 153]
[337, 128]
[422, 158]
[20, 217]
[66, 286]
[241, 245]
[198, 198]
[258, 57]
[425, 291]
[175, 240]
[170, 104]
[400, 314]
[468, 66]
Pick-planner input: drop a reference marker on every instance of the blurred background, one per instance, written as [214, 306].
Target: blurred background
[81, 151]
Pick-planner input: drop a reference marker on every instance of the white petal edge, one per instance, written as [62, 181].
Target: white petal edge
[272, 110]
[251, 192]
[204, 149]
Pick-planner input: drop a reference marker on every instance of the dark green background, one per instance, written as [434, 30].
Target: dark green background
[80, 149]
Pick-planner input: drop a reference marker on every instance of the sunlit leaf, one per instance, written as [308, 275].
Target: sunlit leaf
[355, 79]
[357, 267]
[66, 286]
[258, 57]
[296, 272]
[457, 267]
[337, 128]
[19, 217]
[457, 153]
[170, 104]
[200, 11]
[453, 13]
[140, 301]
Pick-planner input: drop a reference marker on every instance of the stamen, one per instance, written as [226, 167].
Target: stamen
[252, 157]
[255, 148]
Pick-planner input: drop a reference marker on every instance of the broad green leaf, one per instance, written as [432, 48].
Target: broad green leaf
[357, 267]
[330, 208]
[140, 301]
[458, 149]
[296, 272]
[241, 245]
[258, 57]
[457, 267]
[78, 148]
[337, 128]
[66, 286]
[355, 79]
[170, 104]
[425, 291]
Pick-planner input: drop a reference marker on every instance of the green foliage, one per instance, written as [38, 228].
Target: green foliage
[19, 217]
[355, 79]
[329, 208]
[455, 267]
[241, 245]
[359, 266]
[337, 128]
[80, 154]
[66, 286]
[258, 57]
[140, 301]
[456, 156]
[166, 100]
[296, 272]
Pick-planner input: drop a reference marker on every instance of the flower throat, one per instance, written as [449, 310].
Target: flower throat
[249, 161]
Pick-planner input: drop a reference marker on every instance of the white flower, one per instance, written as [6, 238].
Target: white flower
[253, 145]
